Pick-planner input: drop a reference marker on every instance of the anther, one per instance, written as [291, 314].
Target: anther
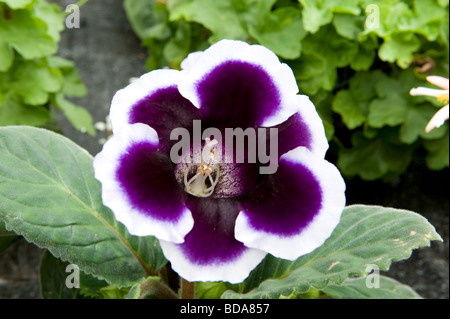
[197, 184]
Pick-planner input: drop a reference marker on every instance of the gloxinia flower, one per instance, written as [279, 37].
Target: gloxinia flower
[216, 217]
[441, 95]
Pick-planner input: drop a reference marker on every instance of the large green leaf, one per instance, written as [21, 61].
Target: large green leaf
[357, 288]
[366, 235]
[49, 195]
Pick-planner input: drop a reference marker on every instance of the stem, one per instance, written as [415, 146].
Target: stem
[158, 290]
[187, 289]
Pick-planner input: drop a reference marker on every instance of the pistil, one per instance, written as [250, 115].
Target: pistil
[207, 173]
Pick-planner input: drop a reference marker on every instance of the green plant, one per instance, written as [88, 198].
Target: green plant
[32, 79]
[357, 60]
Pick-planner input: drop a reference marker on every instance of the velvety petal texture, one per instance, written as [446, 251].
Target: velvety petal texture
[139, 186]
[239, 84]
[217, 217]
[153, 99]
[210, 251]
[296, 209]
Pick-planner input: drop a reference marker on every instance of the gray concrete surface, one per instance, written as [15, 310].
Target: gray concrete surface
[107, 54]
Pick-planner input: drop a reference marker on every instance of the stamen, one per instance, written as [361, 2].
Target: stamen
[196, 185]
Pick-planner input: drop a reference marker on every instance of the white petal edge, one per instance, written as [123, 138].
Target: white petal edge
[202, 63]
[233, 272]
[308, 112]
[105, 166]
[147, 84]
[321, 227]
[190, 59]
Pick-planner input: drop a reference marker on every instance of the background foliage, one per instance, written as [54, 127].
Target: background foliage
[32, 79]
[357, 60]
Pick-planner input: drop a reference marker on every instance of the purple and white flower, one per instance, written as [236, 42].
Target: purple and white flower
[217, 220]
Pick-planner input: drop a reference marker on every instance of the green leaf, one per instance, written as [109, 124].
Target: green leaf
[356, 288]
[210, 290]
[219, 16]
[438, 152]
[52, 277]
[388, 111]
[77, 115]
[177, 48]
[282, 32]
[308, 66]
[391, 106]
[322, 101]
[353, 104]
[26, 33]
[351, 112]
[72, 85]
[14, 112]
[417, 118]
[399, 47]
[148, 18]
[32, 80]
[52, 15]
[348, 26]
[17, 4]
[6, 57]
[374, 158]
[317, 13]
[392, 16]
[335, 52]
[429, 15]
[49, 195]
[366, 235]
[365, 57]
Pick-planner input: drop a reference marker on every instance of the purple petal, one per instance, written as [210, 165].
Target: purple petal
[210, 251]
[239, 93]
[304, 128]
[164, 110]
[139, 185]
[296, 209]
[239, 85]
[154, 100]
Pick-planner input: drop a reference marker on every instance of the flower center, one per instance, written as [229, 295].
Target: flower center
[203, 183]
